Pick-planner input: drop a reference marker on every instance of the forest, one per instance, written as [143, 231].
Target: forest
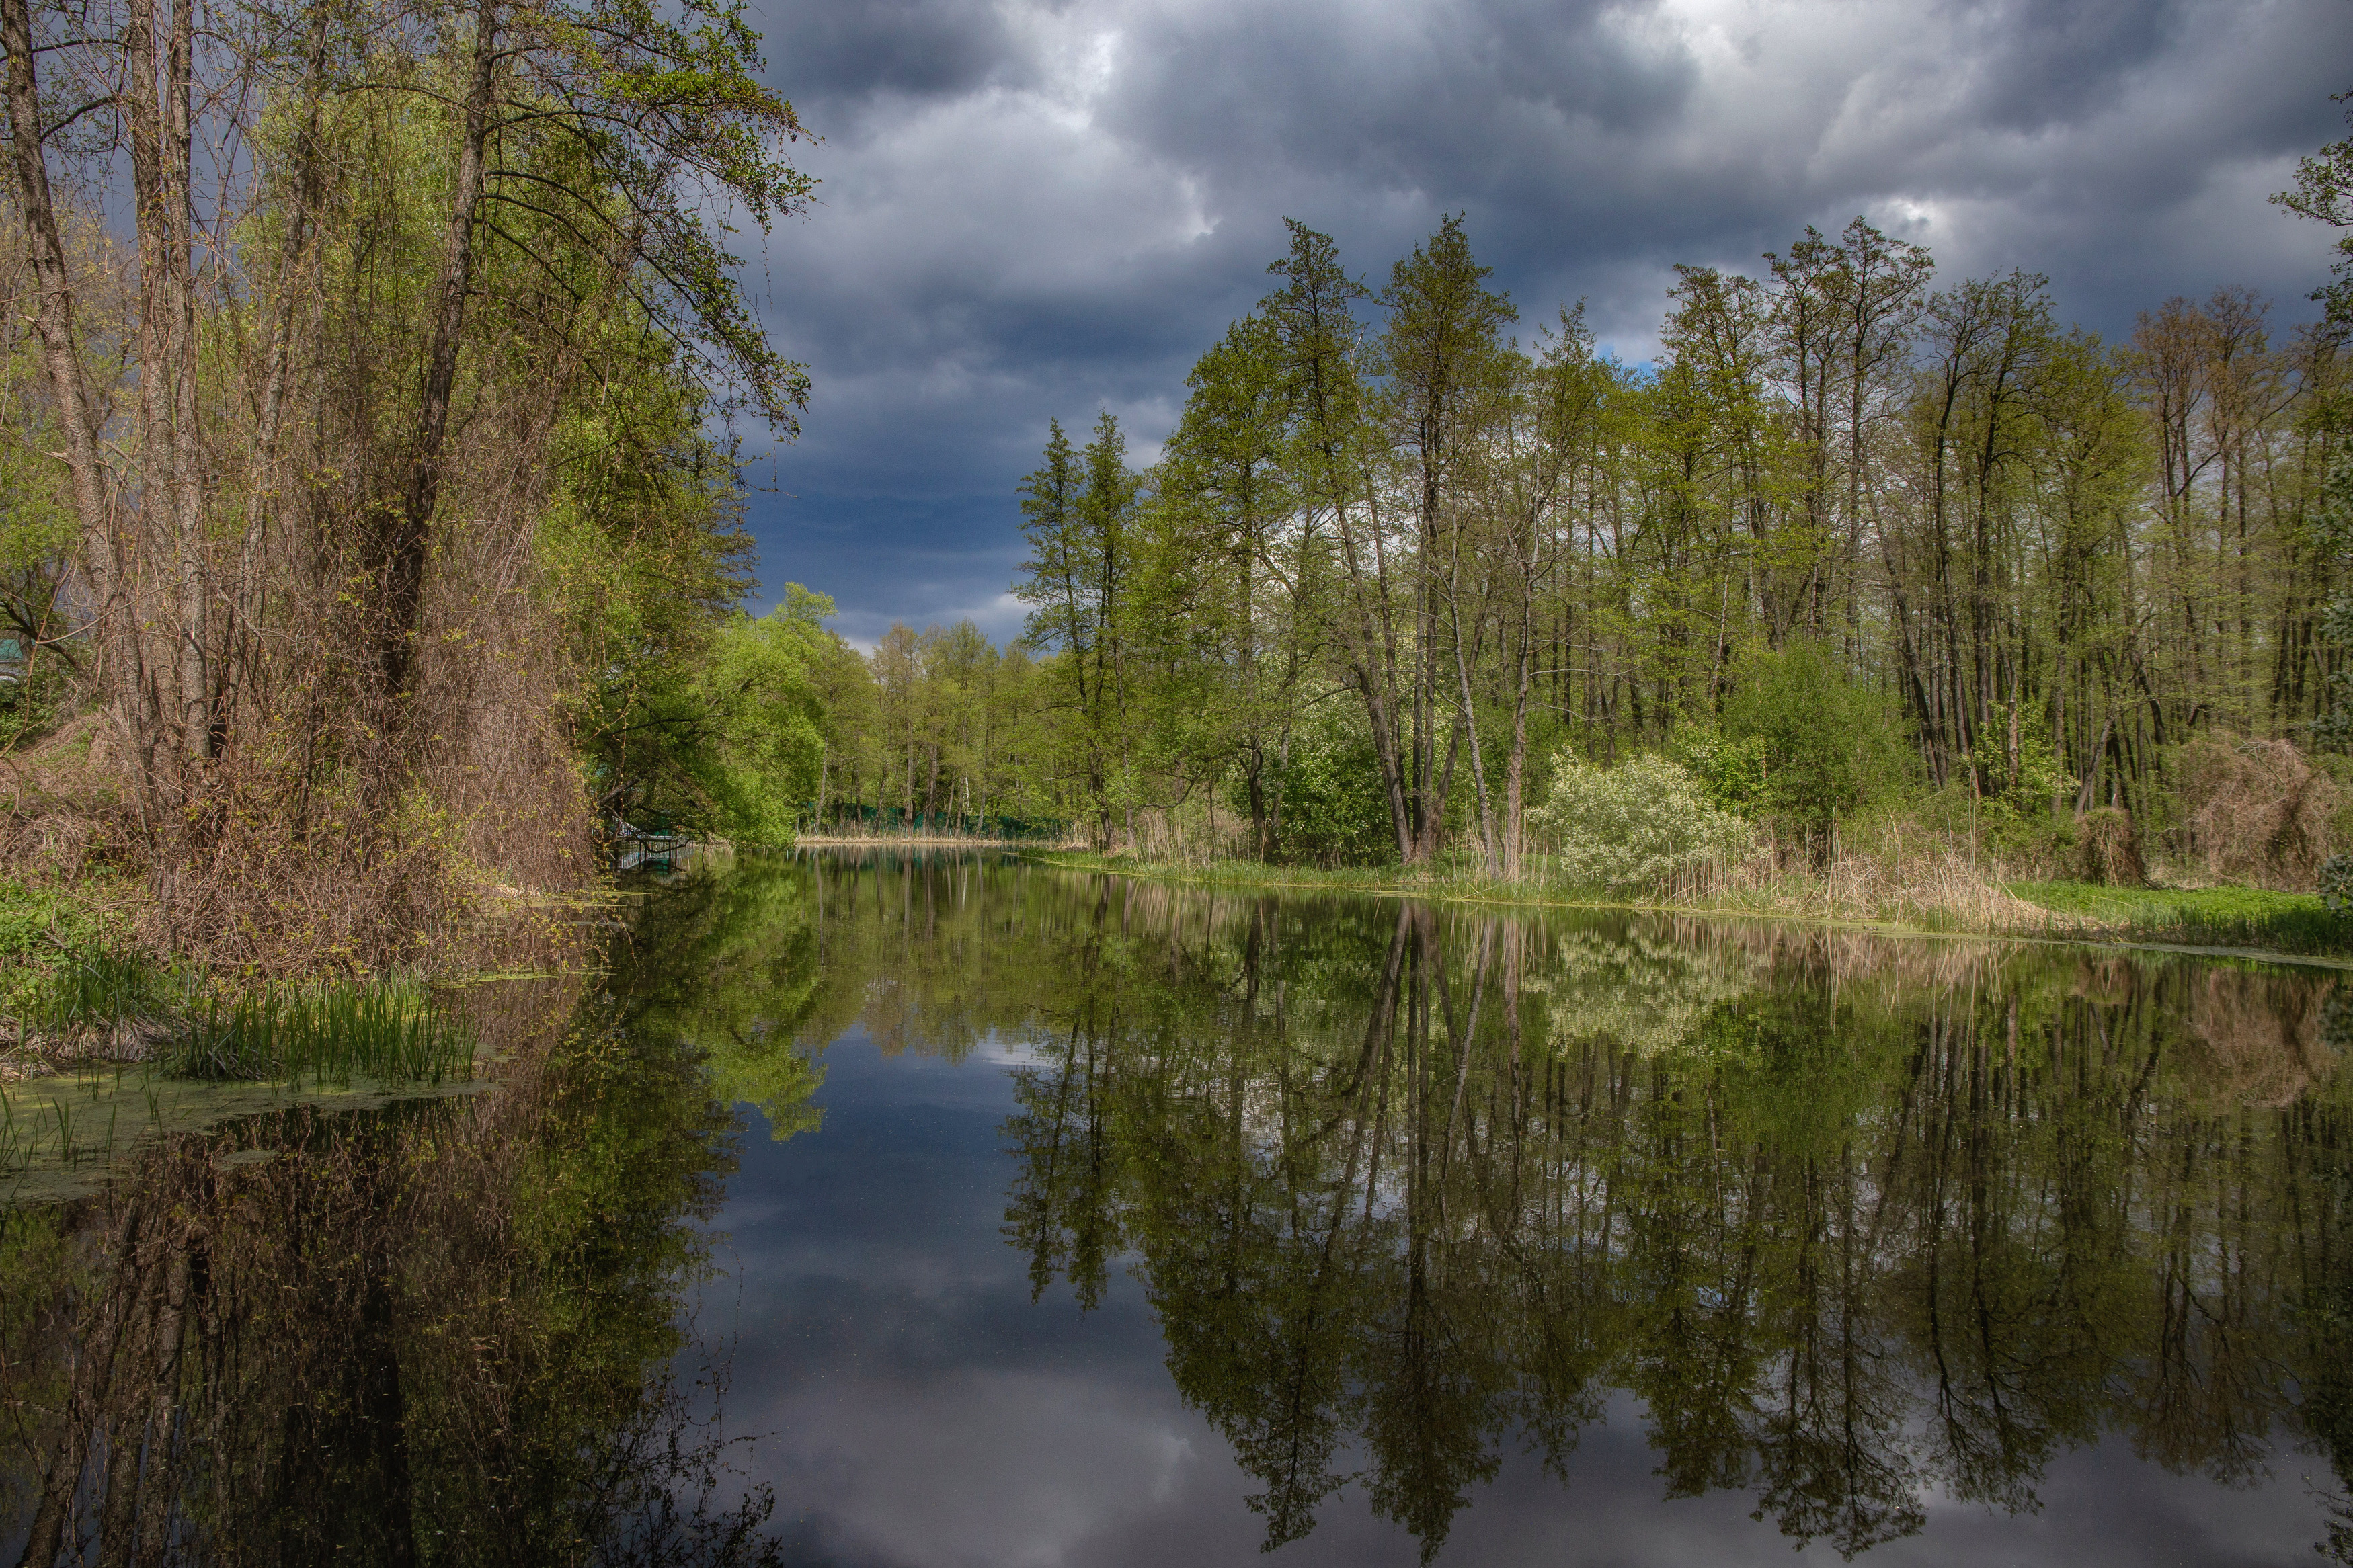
[1861, 543]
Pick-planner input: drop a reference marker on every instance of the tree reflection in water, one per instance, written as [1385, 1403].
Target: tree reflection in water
[448, 1331]
[1855, 1220]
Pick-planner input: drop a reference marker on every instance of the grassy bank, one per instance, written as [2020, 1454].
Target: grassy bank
[2248, 918]
[77, 992]
[2205, 917]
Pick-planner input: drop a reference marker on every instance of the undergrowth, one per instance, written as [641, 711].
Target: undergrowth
[107, 1000]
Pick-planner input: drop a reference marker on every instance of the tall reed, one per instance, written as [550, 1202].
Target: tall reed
[390, 1031]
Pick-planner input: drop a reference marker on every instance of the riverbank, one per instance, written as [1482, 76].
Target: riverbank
[85, 988]
[915, 841]
[2253, 920]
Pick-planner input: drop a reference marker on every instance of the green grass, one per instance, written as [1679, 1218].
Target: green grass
[42, 931]
[2208, 917]
[390, 1031]
[387, 1030]
[100, 984]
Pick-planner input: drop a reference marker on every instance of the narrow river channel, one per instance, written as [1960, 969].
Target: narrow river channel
[937, 1211]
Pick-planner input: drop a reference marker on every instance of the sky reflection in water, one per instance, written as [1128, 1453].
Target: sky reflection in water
[1709, 1242]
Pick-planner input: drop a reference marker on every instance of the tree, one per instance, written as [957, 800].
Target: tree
[2324, 193]
[1829, 742]
[612, 123]
[1077, 511]
[582, 147]
[1233, 511]
[767, 718]
[1314, 314]
[1445, 372]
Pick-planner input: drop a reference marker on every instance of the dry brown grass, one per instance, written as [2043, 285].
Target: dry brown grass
[2259, 1034]
[1898, 875]
[2109, 849]
[2255, 812]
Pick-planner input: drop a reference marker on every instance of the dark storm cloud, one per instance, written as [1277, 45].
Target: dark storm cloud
[833, 58]
[1036, 208]
[2041, 63]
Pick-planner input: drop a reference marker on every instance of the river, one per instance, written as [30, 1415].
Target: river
[946, 1209]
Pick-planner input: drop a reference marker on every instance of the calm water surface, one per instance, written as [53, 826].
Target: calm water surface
[949, 1210]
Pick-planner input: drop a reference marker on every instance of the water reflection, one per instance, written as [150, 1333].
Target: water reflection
[1854, 1226]
[442, 1331]
[1852, 1230]
[1862, 1224]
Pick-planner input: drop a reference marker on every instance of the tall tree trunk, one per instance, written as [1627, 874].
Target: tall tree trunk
[157, 100]
[116, 668]
[406, 529]
[193, 578]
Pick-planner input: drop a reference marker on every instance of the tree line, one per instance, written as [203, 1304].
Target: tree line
[1396, 555]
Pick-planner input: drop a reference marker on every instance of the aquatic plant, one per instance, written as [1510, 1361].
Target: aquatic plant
[387, 1030]
[101, 987]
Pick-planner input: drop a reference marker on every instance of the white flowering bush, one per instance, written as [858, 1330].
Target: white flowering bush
[1636, 825]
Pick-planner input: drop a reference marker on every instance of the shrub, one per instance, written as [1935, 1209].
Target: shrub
[2336, 885]
[1333, 811]
[1824, 742]
[2255, 811]
[2108, 850]
[1636, 825]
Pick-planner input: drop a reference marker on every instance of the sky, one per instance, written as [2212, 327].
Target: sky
[1041, 208]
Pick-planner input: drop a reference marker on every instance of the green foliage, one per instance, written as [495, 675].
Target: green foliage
[41, 921]
[767, 718]
[724, 737]
[1331, 808]
[1734, 773]
[1080, 516]
[2336, 885]
[1829, 742]
[2019, 796]
[1637, 825]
